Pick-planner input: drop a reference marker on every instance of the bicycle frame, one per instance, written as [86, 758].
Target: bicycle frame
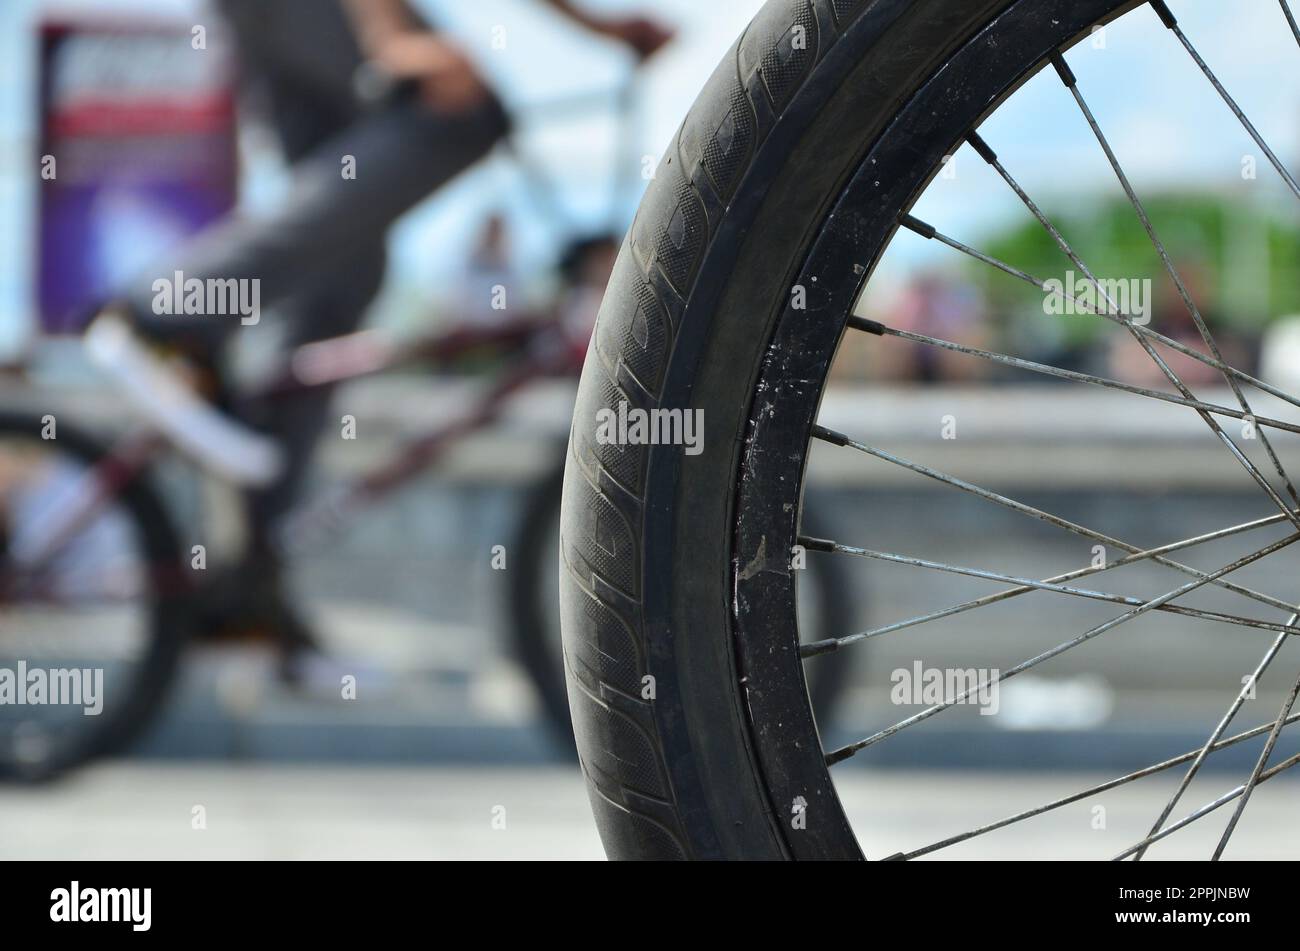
[547, 352]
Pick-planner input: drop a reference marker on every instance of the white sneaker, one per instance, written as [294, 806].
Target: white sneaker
[231, 450]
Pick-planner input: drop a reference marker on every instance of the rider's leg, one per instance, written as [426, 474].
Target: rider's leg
[400, 155]
[332, 219]
[251, 595]
[320, 256]
[333, 308]
[355, 169]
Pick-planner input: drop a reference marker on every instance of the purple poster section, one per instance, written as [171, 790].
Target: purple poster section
[138, 152]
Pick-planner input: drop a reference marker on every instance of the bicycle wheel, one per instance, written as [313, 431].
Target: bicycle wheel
[92, 601]
[794, 170]
[828, 604]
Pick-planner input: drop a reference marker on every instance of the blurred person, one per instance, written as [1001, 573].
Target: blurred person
[1130, 363]
[584, 271]
[488, 268]
[950, 308]
[361, 85]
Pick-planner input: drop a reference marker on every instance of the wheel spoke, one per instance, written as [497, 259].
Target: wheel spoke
[930, 232]
[1223, 724]
[1091, 791]
[991, 158]
[1282, 492]
[846, 751]
[1210, 807]
[883, 330]
[1068, 78]
[1258, 771]
[839, 439]
[826, 545]
[1167, 17]
[816, 648]
[1290, 19]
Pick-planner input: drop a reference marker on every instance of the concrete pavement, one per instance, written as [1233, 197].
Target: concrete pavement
[133, 811]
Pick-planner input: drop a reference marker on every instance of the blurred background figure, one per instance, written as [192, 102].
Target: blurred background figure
[584, 271]
[375, 110]
[489, 272]
[354, 113]
[1171, 317]
[942, 305]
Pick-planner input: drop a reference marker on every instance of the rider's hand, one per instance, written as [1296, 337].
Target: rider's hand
[449, 82]
[645, 36]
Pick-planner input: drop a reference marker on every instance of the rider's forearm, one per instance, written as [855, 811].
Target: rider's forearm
[377, 21]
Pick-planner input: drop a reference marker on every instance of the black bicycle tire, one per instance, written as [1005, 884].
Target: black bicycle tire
[170, 624]
[644, 591]
[534, 562]
[532, 566]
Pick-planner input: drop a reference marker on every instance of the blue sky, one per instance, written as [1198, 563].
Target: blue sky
[1180, 134]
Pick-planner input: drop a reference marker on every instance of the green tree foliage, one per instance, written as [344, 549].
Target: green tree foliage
[1241, 260]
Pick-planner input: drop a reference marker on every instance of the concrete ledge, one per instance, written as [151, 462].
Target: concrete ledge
[1045, 436]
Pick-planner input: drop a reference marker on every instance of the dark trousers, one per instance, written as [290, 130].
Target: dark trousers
[320, 258]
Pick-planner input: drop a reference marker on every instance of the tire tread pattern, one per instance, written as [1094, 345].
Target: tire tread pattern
[605, 640]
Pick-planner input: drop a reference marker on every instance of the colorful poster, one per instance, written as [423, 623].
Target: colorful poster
[137, 152]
